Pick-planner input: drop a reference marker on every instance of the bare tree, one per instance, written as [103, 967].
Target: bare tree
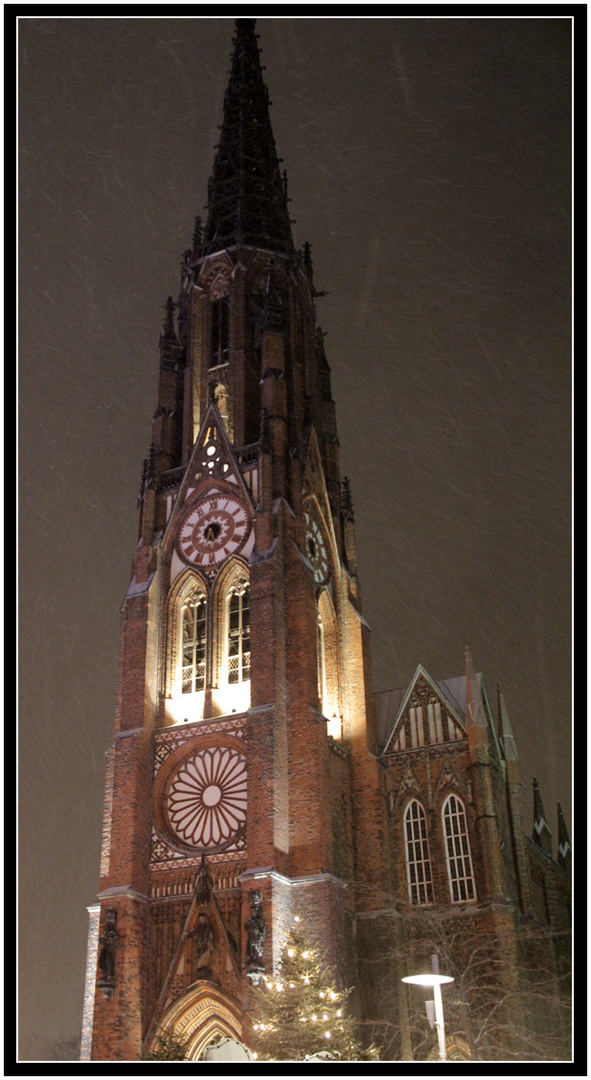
[511, 995]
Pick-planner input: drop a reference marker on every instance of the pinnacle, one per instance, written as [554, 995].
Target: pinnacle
[542, 834]
[505, 730]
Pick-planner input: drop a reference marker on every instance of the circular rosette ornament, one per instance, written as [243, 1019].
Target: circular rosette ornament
[206, 800]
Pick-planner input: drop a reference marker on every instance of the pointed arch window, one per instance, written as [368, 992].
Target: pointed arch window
[321, 654]
[328, 665]
[418, 862]
[220, 331]
[194, 643]
[457, 851]
[239, 633]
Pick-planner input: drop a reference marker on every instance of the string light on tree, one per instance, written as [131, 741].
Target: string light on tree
[302, 1009]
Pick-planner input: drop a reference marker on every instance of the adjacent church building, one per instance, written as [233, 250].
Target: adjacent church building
[253, 775]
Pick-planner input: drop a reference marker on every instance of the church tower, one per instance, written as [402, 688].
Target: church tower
[239, 790]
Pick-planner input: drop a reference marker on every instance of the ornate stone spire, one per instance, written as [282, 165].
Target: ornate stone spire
[541, 834]
[348, 512]
[247, 194]
[323, 367]
[169, 342]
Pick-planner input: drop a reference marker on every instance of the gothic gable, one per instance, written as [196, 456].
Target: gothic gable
[409, 786]
[215, 275]
[425, 717]
[449, 779]
[212, 459]
[315, 494]
[212, 465]
[205, 951]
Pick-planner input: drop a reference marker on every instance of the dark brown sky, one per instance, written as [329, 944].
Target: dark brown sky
[429, 167]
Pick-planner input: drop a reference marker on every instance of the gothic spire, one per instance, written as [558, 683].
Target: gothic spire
[541, 834]
[473, 706]
[506, 737]
[564, 847]
[348, 513]
[247, 194]
[169, 342]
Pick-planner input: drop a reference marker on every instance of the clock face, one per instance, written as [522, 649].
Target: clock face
[213, 528]
[316, 549]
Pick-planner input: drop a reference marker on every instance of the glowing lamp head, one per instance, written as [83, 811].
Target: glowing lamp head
[428, 979]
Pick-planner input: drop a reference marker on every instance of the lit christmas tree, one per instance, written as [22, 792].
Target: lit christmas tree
[300, 1012]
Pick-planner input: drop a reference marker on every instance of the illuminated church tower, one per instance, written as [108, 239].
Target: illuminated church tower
[239, 789]
[248, 781]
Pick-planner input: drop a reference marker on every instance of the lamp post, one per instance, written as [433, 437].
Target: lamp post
[436, 981]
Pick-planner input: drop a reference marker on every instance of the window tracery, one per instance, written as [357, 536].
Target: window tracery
[220, 331]
[187, 646]
[208, 645]
[238, 633]
[457, 851]
[194, 643]
[328, 666]
[418, 862]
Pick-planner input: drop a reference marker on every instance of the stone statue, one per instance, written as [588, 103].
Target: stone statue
[108, 942]
[257, 931]
[202, 934]
[204, 884]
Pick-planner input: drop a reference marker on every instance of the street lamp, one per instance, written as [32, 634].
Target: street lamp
[436, 981]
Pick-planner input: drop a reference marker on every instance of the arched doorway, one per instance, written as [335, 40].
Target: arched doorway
[203, 1015]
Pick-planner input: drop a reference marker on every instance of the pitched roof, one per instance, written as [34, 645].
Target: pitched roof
[389, 705]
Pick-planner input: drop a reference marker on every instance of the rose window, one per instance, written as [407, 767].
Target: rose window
[207, 798]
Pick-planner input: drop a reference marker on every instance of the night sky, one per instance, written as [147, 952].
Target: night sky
[429, 167]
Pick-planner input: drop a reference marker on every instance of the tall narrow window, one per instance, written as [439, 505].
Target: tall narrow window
[457, 851]
[238, 635]
[321, 654]
[418, 863]
[220, 331]
[194, 617]
[417, 732]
